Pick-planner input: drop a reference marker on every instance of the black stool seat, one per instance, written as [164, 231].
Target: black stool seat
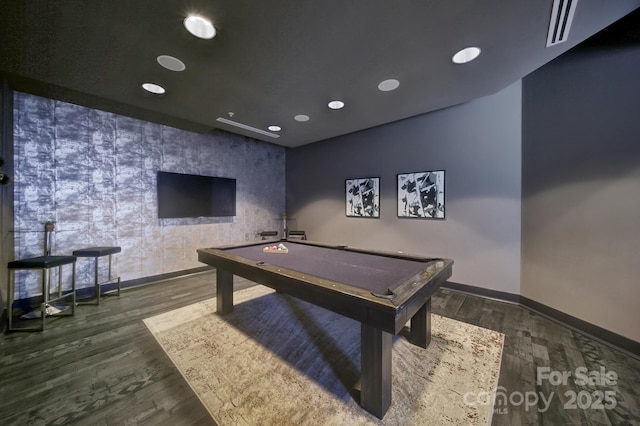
[41, 262]
[265, 234]
[96, 251]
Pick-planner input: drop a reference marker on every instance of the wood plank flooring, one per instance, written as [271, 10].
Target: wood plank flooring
[102, 366]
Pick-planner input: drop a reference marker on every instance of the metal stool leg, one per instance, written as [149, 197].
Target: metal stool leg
[96, 283]
[45, 294]
[10, 296]
[73, 289]
[111, 277]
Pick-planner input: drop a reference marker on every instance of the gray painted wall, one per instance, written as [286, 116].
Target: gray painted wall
[479, 146]
[581, 187]
[95, 174]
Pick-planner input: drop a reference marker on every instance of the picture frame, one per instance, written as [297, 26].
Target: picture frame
[421, 195]
[362, 197]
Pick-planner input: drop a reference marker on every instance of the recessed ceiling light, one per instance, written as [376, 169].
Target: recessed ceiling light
[336, 104]
[274, 128]
[171, 63]
[301, 117]
[200, 27]
[388, 85]
[153, 88]
[467, 54]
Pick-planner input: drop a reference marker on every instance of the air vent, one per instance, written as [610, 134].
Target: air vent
[245, 127]
[561, 17]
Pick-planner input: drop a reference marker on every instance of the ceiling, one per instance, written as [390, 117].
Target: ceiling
[273, 60]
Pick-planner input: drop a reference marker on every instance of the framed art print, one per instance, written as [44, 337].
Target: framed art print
[363, 197]
[421, 195]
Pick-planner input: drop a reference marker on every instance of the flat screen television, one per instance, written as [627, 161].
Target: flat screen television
[184, 195]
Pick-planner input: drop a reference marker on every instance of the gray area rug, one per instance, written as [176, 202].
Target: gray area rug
[279, 360]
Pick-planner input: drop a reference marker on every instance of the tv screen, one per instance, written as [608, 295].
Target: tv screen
[183, 195]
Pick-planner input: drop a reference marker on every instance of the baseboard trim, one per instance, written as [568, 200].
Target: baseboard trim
[161, 277]
[624, 344]
[501, 296]
[31, 303]
[602, 335]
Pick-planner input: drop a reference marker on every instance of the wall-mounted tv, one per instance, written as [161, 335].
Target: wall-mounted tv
[184, 195]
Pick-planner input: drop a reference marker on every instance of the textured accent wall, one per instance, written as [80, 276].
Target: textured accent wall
[95, 174]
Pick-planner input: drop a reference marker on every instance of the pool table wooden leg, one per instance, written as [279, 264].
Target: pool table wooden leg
[224, 291]
[375, 364]
[420, 333]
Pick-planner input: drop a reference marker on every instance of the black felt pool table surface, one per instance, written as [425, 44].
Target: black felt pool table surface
[372, 272]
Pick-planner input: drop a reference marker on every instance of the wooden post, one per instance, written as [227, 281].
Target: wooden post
[224, 291]
[420, 333]
[375, 362]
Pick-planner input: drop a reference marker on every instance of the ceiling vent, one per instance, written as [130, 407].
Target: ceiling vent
[561, 17]
[245, 127]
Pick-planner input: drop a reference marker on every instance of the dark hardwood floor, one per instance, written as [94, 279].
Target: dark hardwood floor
[102, 366]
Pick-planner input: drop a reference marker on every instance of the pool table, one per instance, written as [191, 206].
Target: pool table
[381, 290]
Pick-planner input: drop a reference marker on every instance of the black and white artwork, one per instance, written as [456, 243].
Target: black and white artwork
[363, 197]
[421, 195]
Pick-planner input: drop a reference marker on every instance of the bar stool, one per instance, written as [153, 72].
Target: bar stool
[97, 253]
[297, 235]
[268, 235]
[43, 263]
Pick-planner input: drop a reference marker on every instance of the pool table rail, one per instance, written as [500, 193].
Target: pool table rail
[389, 315]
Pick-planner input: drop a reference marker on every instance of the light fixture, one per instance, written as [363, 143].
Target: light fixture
[153, 88]
[200, 27]
[336, 104]
[301, 117]
[171, 63]
[274, 128]
[388, 85]
[246, 127]
[467, 54]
